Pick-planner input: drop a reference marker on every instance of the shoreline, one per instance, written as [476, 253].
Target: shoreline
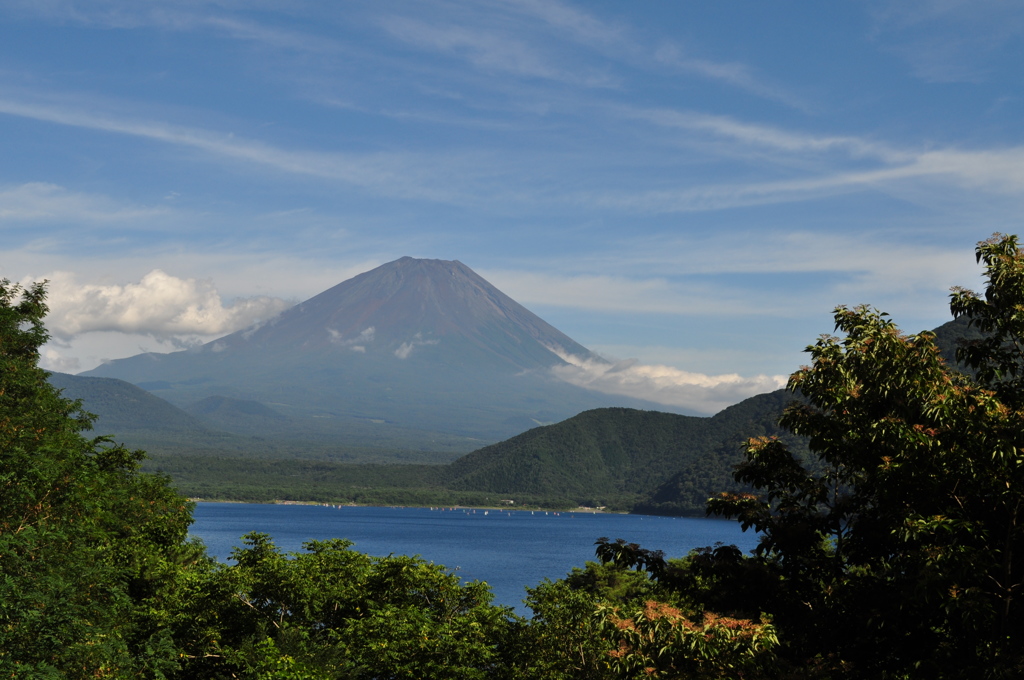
[582, 509]
[578, 509]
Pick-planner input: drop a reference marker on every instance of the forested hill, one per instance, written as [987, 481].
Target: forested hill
[657, 462]
[123, 408]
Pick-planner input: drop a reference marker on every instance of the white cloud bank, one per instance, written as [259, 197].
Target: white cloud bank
[667, 385]
[159, 306]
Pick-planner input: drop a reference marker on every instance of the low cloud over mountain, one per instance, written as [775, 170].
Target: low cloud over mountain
[667, 385]
[161, 306]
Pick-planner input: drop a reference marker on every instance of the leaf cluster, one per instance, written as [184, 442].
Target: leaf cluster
[898, 552]
[90, 549]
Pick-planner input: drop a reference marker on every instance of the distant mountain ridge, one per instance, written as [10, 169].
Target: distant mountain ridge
[425, 345]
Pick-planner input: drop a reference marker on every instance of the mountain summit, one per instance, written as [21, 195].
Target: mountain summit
[424, 346]
[434, 309]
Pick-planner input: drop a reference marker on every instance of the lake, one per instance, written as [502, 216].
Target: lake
[510, 549]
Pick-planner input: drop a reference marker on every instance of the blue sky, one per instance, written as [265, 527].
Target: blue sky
[690, 185]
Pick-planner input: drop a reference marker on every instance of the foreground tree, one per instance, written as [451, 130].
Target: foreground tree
[896, 550]
[90, 548]
[333, 612]
[634, 616]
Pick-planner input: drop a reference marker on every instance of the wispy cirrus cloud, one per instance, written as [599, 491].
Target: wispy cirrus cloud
[529, 42]
[568, 20]
[617, 42]
[487, 50]
[689, 277]
[275, 38]
[656, 260]
[230, 20]
[465, 180]
[997, 171]
[736, 74]
[45, 202]
[947, 41]
[401, 175]
[860, 163]
[767, 136]
[646, 294]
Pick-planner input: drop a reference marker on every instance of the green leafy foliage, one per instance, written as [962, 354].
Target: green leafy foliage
[333, 612]
[898, 555]
[998, 356]
[661, 641]
[90, 549]
[629, 617]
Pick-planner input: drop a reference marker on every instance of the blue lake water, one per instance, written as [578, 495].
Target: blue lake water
[508, 549]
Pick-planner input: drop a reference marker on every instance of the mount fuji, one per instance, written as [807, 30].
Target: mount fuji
[413, 350]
